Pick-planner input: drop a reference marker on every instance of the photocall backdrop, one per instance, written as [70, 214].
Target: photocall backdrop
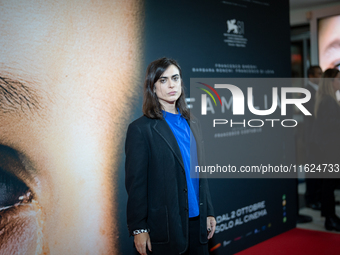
[235, 39]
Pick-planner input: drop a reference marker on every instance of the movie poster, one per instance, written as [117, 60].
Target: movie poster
[71, 81]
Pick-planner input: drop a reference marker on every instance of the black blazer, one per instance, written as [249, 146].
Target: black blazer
[156, 185]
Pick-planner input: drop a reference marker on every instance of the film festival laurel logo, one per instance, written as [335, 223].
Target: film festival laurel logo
[237, 101]
[236, 28]
[235, 33]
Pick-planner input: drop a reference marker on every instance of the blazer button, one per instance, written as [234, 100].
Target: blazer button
[186, 209]
[201, 203]
[185, 190]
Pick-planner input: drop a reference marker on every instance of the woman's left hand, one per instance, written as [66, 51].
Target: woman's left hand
[211, 225]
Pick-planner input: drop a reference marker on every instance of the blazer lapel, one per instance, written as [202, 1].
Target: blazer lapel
[163, 129]
[193, 127]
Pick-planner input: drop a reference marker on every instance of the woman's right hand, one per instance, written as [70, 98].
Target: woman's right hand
[141, 241]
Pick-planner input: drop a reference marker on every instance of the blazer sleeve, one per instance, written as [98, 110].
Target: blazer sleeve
[136, 165]
[210, 208]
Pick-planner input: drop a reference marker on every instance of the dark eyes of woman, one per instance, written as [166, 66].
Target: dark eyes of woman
[175, 78]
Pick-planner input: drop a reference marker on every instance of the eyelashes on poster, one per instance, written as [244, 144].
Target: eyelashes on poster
[329, 42]
[68, 70]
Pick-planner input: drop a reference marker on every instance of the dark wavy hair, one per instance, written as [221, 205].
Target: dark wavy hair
[311, 70]
[151, 106]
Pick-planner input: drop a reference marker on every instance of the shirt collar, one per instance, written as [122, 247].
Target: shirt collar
[171, 115]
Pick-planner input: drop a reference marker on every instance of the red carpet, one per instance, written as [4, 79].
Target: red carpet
[298, 242]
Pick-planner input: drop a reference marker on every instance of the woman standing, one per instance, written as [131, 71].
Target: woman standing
[327, 138]
[168, 212]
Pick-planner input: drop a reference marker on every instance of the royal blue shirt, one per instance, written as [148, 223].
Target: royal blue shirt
[186, 142]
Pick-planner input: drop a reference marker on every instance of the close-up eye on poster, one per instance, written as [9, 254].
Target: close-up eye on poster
[203, 127]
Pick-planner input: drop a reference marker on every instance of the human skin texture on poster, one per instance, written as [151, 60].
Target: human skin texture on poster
[329, 42]
[67, 76]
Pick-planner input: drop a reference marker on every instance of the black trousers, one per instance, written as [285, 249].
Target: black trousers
[313, 185]
[313, 189]
[327, 196]
[195, 247]
[330, 156]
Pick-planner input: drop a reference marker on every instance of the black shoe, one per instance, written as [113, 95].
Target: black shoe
[303, 219]
[332, 223]
[314, 206]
